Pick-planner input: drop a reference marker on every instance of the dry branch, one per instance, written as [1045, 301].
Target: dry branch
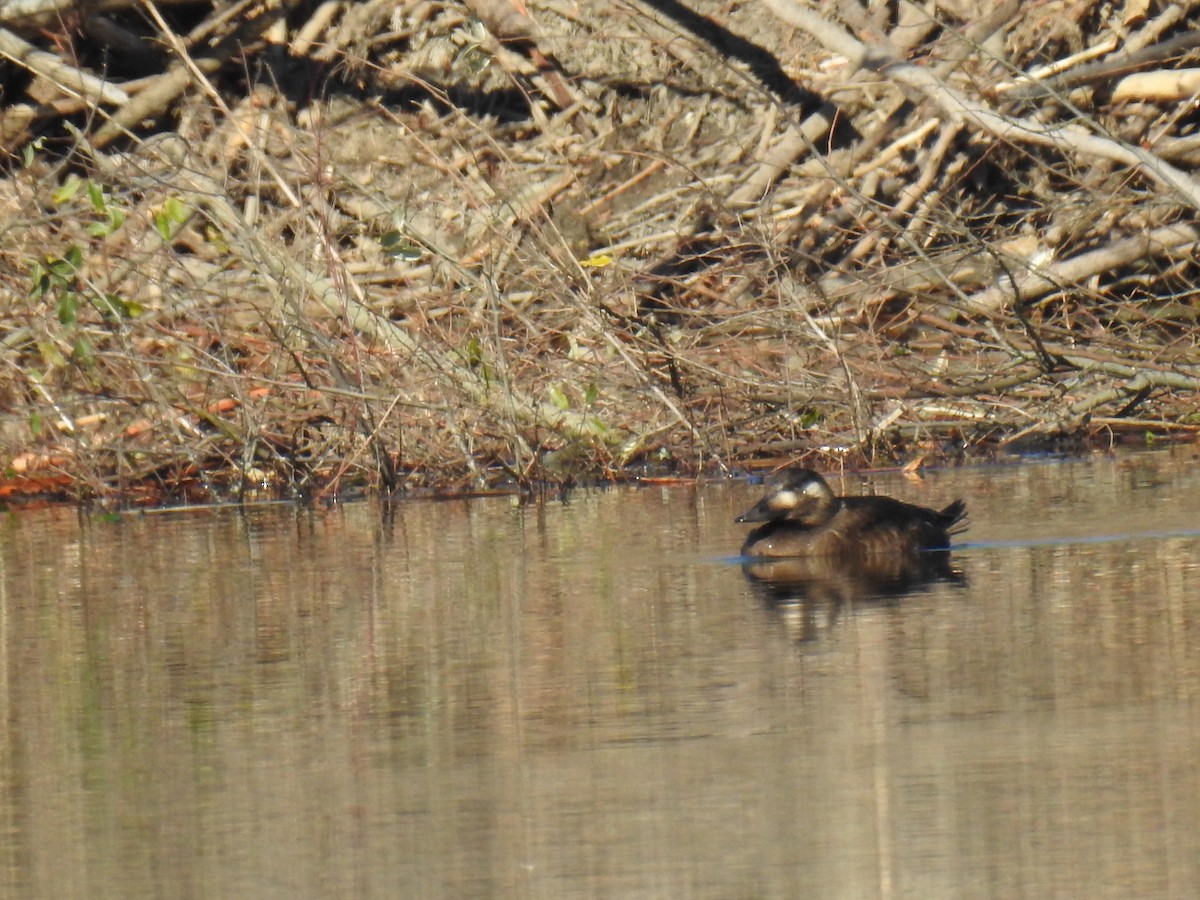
[70, 79]
[394, 254]
[1069, 139]
[1041, 279]
[286, 275]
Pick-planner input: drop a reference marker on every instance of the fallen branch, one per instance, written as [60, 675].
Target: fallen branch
[69, 79]
[1068, 139]
[1168, 241]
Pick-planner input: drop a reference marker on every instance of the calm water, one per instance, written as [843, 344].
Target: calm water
[475, 700]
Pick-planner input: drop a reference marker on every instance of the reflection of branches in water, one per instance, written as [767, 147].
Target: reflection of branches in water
[820, 589]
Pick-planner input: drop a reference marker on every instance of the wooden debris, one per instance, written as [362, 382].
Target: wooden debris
[416, 243]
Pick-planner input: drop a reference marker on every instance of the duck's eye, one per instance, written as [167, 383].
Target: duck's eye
[783, 500]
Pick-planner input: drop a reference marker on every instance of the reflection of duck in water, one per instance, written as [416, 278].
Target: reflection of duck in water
[820, 551]
[827, 583]
[803, 518]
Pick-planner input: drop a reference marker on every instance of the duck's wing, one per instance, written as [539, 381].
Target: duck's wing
[871, 513]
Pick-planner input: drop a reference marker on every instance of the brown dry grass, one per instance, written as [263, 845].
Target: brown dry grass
[390, 259]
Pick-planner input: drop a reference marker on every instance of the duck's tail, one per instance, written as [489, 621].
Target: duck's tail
[954, 518]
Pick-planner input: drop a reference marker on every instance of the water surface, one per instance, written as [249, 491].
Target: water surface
[471, 699]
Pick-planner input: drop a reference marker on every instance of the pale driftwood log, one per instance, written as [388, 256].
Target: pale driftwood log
[153, 101]
[71, 81]
[1037, 281]
[1184, 378]
[1175, 84]
[1112, 67]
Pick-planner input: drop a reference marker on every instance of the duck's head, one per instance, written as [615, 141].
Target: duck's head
[798, 495]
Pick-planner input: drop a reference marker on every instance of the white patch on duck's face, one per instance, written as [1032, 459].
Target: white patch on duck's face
[815, 489]
[781, 501]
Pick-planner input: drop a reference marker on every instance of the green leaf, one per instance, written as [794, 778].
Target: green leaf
[113, 307]
[29, 151]
[114, 219]
[83, 352]
[169, 217]
[96, 194]
[67, 190]
[591, 394]
[474, 352]
[68, 308]
[51, 355]
[177, 211]
[59, 270]
[396, 245]
[39, 280]
[558, 398]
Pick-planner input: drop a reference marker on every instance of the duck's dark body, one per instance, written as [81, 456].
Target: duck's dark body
[804, 518]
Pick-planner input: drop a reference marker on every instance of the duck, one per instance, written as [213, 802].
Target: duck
[803, 518]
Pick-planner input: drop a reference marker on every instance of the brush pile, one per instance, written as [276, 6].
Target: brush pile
[259, 249]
